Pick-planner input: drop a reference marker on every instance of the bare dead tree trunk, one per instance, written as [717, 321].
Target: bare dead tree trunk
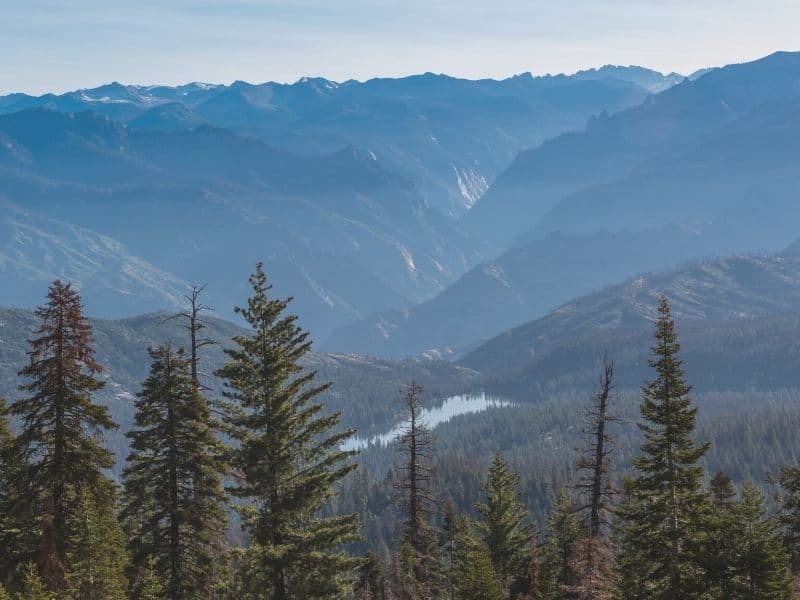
[192, 321]
[594, 484]
[414, 488]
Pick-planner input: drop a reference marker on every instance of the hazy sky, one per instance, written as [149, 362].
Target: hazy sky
[57, 45]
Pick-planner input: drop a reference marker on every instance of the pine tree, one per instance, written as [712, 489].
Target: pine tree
[415, 496]
[663, 514]
[562, 535]
[761, 568]
[33, 586]
[506, 528]
[174, 504]
[288, 458]
[719, 549]
[98, 557]
[789, 515]
[371, 583]
[15, 520]
[475, 575]
[449, 532]
[61, 425]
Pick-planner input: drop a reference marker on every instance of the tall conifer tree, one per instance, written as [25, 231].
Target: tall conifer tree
[506, 528]
[15, 519]
[60, 425]
[416, 498]
[789, 515]
[98, 558]
[562, 536]
[761, 571]
[288, 459]
[663, 514]
[174, 504]
[475, 576]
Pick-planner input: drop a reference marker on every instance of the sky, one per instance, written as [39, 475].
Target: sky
[60, 45]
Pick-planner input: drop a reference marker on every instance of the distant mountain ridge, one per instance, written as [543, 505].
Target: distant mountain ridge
[451, 136]
[704, 168]
[544, 182]
[523, 283]
[727, 289]
[653, 81]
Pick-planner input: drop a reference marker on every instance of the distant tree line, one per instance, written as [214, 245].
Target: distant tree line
[268, 452]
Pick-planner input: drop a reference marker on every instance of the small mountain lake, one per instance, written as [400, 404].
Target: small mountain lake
[431, 417]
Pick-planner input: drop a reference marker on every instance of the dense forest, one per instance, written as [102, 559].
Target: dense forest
[239, 484]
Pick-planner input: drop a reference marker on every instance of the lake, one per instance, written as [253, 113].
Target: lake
[451, 407]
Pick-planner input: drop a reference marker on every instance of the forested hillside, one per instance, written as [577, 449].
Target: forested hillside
[513, 502]
[364, 387]
[738, 320]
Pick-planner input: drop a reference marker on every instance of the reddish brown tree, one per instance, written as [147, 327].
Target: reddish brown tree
[60, 424]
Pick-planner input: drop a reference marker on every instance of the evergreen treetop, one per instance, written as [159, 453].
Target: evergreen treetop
[288, 459]
[174, 503]
[60, 424]
[505, 527]
[665, 506]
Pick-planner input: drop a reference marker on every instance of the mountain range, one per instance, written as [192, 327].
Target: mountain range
[706, 167]
[356, 195]
[350, 193]
[451, 136]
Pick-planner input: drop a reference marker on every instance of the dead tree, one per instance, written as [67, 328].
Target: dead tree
[413, 486]
[595, 487]
[595, 463]
[415, 473]
[191, 320]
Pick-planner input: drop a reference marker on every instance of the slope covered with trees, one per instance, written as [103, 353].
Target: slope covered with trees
[636, 513]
